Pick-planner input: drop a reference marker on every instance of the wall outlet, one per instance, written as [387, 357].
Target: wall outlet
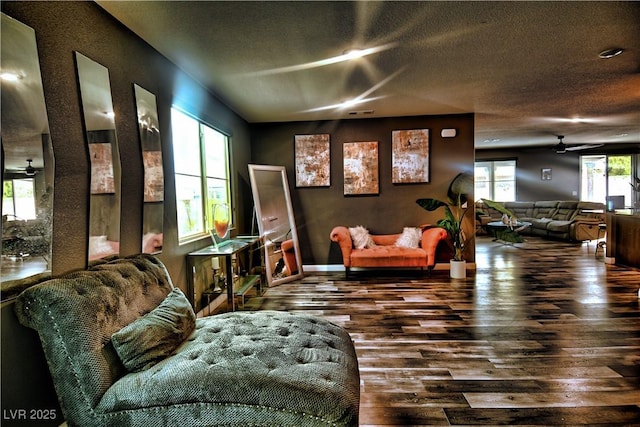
[574, 193]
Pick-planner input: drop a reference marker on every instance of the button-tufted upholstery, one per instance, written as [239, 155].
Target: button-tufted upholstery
[259, 368]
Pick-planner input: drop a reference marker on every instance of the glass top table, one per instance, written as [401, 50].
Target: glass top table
[224, 249]
[506, 231]
[228, 247]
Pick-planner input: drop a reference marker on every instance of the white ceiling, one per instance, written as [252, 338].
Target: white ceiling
[529, 71]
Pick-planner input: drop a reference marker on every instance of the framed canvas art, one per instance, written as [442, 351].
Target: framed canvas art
[410, 156]
[361, 168]
[312, 160]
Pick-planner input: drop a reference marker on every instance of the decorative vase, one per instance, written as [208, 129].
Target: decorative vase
[458, 269]
[221, 219]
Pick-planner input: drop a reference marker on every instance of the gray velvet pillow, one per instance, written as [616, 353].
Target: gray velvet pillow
[154, 336]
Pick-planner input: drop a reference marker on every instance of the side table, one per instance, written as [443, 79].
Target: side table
[226, 250]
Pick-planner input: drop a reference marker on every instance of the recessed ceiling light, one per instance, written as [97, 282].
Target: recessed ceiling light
[610, 53]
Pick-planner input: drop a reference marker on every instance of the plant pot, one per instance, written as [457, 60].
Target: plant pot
[458, 269]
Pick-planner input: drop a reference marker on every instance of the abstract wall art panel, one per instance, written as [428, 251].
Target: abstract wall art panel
[361, 168]
[313, 160]
[410, 156]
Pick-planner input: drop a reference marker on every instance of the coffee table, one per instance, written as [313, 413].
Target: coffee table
[496, 228]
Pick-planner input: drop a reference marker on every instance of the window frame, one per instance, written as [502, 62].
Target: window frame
[18, 211]
[607, 186]
[206, 218]
[492, 164]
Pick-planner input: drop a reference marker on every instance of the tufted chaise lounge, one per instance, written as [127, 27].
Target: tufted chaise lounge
[244, 368]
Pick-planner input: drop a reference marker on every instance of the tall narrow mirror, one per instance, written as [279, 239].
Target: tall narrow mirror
[151, 146]
[100, 128]
[26, 158]
[276, 223]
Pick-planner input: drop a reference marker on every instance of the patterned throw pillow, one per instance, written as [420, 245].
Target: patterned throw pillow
[410, 238]
[361, 238]
[154, 336]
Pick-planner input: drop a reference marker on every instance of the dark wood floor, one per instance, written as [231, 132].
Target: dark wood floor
[542, 335]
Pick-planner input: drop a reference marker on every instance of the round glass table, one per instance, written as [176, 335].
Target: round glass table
[507, 232]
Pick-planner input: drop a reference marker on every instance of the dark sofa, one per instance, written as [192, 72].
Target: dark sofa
[555, 219]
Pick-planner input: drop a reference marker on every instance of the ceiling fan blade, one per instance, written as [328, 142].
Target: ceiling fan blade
[583, 147]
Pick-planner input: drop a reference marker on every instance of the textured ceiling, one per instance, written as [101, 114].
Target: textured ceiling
[529, 71]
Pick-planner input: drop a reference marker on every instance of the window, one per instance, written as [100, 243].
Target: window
[18, 199]
[496, 180]
[201, 159]
[602, 176]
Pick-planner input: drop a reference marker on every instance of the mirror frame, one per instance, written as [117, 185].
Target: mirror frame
[151, 150]
[258, 198]
[25, 135]
[104, 157]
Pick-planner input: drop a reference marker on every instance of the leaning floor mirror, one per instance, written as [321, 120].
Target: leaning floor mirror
[276, 223]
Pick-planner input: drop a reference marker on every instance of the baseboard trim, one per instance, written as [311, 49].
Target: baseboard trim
[321, 268]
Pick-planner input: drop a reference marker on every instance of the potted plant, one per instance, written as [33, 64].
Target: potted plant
[455, 210]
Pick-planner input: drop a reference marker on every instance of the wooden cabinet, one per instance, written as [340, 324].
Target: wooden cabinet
[623, 238]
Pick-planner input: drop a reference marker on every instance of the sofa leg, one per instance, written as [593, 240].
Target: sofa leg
[346, 272]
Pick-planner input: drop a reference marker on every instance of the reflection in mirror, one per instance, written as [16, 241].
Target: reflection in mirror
[27, 160]
[100, 126]
[276, 223]
[153, 207]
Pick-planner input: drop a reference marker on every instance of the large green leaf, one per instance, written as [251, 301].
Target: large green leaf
[508, 235]
[499, 207]
[460, 188]
[430, 204]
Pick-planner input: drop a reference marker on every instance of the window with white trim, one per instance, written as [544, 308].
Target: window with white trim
[495, 180]
[202, 174]
[18, 198]
[603, 176]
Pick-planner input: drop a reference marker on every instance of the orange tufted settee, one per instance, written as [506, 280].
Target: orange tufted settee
[385, 253]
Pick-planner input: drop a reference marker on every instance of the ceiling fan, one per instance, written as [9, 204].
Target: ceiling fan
[29, 170]
[561, 147]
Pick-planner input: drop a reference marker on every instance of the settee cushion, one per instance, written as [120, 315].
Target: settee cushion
[388, 255]
[156, 335]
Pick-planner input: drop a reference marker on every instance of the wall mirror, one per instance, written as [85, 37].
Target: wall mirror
[276, 223]
[151, 146]
[26, 158]
[100, 128]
